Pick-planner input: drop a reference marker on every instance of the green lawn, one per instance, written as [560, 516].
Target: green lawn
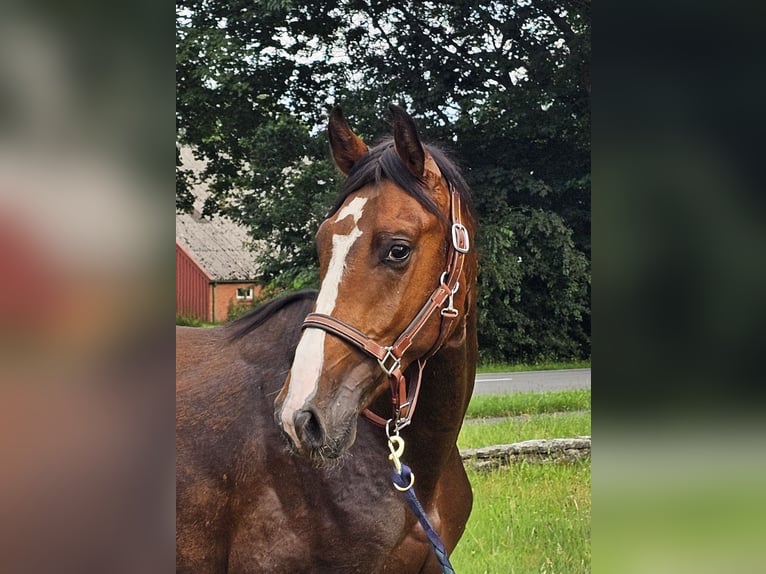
[517, 429]
[528, 403]
[528, 518]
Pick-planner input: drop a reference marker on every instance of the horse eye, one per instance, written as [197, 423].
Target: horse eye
[398, 253]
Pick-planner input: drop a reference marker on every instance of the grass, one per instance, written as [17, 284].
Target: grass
[552, 425]
[528, 518]
[528, 403]
[543, 366]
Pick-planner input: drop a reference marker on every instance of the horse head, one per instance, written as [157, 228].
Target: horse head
[386, 254]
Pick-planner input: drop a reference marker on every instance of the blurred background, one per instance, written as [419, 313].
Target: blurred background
[679, 236]
[86, 285]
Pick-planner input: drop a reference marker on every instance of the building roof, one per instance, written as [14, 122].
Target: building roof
[217, 244]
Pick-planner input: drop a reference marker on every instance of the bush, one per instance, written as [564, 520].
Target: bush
[188, 321]
[236, 310]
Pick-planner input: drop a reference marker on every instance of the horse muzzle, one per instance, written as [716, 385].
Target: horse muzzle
[314, 435]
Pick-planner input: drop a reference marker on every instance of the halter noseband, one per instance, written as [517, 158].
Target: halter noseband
[390, 357]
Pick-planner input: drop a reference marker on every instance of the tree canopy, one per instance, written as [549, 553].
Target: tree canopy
[504, 86]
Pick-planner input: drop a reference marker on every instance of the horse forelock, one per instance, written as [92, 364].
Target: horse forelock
[382, 162]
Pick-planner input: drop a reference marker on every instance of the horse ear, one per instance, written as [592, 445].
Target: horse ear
[407, 142]
[346, 146]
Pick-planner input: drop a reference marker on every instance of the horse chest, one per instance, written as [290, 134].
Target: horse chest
[346, 519]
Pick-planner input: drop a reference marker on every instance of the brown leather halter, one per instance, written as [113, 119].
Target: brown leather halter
[390, 357]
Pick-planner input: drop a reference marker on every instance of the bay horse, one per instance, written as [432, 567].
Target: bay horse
[283, 416]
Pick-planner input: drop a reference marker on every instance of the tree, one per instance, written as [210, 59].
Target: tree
[505, 85]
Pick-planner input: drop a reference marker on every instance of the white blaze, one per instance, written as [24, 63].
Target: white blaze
[309, 355]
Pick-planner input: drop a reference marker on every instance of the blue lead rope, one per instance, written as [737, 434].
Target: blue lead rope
[404, 481]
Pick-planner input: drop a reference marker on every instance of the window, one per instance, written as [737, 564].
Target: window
[244, 294]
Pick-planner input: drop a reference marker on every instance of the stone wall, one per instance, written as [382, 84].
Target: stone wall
[538, 450]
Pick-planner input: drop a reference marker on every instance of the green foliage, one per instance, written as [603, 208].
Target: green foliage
[505, 85]
[533, 289]
[184, 179]
[295, 280]
[187, 321]
[236, 309]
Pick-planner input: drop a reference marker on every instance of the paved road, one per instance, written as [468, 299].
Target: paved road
[502, 383]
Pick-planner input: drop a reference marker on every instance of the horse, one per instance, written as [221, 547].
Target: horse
[290, 419]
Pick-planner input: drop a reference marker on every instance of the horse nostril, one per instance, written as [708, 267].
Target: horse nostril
[308, 428]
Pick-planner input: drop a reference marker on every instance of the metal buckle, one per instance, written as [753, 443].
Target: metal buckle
[389, 356]
[450, 311]
[460, 239]
[393, 426]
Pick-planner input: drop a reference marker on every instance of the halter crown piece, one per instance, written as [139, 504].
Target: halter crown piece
[390, 357]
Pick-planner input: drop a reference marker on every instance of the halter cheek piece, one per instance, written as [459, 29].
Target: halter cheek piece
[390, 357]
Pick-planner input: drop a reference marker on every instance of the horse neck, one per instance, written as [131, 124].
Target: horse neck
[446, 389]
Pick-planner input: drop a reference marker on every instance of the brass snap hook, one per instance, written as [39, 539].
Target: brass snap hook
[396, 446]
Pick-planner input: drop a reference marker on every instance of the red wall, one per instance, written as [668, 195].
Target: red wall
[192, 288]
[226, 295]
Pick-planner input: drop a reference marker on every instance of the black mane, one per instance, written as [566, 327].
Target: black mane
[382, 162]
[255, 318]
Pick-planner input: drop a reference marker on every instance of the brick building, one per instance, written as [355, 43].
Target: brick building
[215, 270]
